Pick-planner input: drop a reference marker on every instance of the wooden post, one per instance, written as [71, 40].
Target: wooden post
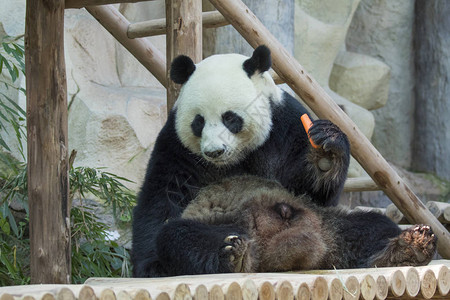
[148, 55]
[48, 160]
[184, 36]
[248, 25]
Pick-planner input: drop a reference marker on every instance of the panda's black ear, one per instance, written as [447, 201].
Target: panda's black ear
[181, 69]
[260, 61]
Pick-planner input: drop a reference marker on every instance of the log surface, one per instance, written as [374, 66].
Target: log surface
[429, 282]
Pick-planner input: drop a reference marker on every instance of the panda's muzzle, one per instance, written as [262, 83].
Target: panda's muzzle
[214, 154]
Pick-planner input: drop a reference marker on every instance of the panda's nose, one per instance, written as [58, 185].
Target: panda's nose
[214, 154]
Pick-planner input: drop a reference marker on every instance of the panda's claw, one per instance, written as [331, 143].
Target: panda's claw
[231, 238]
[235, 250]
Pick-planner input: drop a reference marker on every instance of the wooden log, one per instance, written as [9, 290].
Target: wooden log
[360, 184]
[440, 210]
[443, 280]
[382, 288]
[124, 295]
[248, 25]
[412, 280]
[319, 289]
[184, 36]
[216, 293]
[266, 291]
[161, 296]
[65, 294]
[377, 210]
[6, 296]
[85, 3]
[428, 284]
[234, 292]
[201, 292]
[210, 19]
[28, 297]
[107, 294]
[249, 290]
[49, 296]
[47, 148]
[276, 78]
[182, 292]
[147, 54]
[335, 289]
[284, 291]
[87, 293]
[352, 289]
[397, 284]
[142, 295]
[368, 287]
[303, 292]
[393, 213]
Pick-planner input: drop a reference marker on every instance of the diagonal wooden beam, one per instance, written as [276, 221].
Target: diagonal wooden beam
[248, 25]
[147, 54]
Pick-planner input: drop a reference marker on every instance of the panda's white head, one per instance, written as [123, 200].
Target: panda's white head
[224, 107]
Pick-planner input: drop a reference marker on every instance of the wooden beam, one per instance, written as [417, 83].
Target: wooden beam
[147, 54]
[184, 36]
[85, 3]
[48, 159]
[210, 19]
[360, 184]
[248, 25]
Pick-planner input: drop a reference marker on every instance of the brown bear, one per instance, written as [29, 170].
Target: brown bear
[270, 229]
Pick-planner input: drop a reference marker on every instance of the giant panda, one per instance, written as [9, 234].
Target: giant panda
[230, 119]
[270, 229]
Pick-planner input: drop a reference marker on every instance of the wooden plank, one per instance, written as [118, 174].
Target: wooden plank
[48, 159]
[184, 36]
[248, 25]
[147, 54]
[85, 3]
[210, 19]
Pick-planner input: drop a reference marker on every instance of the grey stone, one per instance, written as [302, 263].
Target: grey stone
[432, 45]
[384, 29]
[361, 79]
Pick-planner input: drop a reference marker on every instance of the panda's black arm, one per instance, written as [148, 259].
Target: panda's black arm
[327, 164]
[187, 247]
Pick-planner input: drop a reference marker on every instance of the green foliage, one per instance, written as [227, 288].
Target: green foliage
[12, 55]
[93, 253]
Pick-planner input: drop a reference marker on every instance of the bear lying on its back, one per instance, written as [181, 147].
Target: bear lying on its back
[269, 229]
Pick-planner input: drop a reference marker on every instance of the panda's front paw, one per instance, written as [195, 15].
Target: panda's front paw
[328, 136]
[234, 252]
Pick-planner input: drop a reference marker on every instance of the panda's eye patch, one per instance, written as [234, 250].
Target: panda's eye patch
[197, 125]
[232, 121]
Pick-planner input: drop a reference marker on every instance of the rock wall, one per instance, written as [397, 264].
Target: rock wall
[432, 62]
[384, 29]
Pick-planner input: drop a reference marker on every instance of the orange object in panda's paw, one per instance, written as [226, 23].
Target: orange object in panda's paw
[306, 121]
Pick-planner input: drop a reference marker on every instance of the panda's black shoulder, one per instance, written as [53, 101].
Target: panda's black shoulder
[287, 111]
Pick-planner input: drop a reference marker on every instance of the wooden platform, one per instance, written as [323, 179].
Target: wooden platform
[428, 282]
